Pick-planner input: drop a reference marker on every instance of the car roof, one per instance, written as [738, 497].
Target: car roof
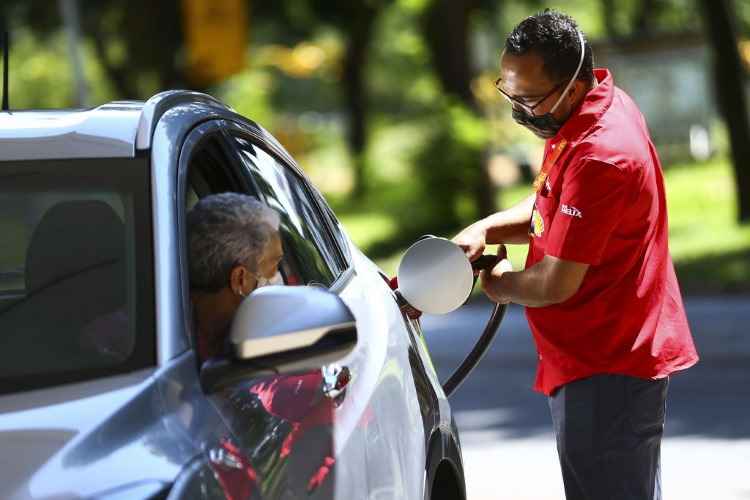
[116, 129]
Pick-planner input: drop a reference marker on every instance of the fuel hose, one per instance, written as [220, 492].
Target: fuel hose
[479, 350]
[451, 257]
[488, 335]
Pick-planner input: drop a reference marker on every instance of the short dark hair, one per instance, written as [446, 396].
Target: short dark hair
[554, 37]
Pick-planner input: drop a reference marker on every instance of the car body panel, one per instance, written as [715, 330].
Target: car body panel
[107, 132]
[154, 109]
[380, 423]
[382, 435]
[55, 457]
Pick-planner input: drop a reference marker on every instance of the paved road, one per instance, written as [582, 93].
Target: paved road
[508, 447]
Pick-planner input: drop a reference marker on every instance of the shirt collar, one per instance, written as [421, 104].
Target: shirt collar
[590, 110]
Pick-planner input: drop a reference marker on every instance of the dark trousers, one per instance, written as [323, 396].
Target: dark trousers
[608, 430]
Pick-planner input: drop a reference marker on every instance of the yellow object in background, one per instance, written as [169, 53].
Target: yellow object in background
[215, 37]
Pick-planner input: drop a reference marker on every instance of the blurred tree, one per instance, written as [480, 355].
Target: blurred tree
[742, 8]
[608, 14]
[359, 33]
[355, 20]
[138, 42]
[730, 79]
[646, 16]
[446, 27]
[643, 18]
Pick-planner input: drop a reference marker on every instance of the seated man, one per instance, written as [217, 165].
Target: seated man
[234, 248]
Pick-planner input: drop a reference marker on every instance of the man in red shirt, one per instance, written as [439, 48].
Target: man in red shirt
[599, 286]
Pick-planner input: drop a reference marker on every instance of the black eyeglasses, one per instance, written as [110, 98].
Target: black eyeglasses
[526, 107]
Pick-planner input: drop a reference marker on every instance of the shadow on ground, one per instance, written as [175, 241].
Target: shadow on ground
[711, 399]
[724, 273]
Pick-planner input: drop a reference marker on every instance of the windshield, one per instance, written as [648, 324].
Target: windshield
[75, 271]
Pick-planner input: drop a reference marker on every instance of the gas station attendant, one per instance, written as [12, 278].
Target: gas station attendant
[599, 286]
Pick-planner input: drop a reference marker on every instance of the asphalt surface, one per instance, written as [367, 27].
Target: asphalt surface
[508, 446]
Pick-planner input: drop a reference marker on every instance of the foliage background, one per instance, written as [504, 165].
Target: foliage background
[371, 97]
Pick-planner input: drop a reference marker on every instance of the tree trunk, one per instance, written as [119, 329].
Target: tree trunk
[447, 34]
[447, 30]
[648, 11]
[355, 63]
[608, 14]
[121, 79]
[729, 77]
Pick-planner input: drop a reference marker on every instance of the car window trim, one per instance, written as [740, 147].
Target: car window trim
[341, 282]
[288, 162]
[304, 209]
[204, 131]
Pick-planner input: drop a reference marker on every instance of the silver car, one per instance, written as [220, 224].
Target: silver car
[101, 392]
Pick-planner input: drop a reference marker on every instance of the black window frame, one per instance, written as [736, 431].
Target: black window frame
[212, 130]
[331, 231]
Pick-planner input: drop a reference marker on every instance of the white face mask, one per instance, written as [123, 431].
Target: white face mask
[276, 279]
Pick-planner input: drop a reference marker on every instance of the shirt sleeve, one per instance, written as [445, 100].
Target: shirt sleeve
[593, 198]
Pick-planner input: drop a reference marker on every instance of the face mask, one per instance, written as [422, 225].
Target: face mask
[543, 126]
[546, 126]
[276, 279]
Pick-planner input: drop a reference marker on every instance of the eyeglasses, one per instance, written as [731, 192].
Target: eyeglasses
[526, 107]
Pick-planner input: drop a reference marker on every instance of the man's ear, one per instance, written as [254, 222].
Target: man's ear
[239, 278]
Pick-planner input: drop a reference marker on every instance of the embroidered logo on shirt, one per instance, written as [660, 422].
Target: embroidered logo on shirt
[537, 223]
[572, 211]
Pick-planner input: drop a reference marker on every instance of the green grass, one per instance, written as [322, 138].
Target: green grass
[711, 251]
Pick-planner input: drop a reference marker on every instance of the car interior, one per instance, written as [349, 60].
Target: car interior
[72, 313]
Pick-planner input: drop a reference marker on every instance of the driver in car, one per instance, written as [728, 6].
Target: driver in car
[234, 248]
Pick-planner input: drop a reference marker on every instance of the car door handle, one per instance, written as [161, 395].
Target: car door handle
[335, 380]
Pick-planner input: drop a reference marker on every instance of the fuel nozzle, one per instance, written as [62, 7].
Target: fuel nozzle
[431, 281]
[485, 262]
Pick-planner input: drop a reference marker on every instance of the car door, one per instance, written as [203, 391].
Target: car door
[278, 442]
[77, 336]
[376, 422]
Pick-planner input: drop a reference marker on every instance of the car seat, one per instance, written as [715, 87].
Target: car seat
[75, 273]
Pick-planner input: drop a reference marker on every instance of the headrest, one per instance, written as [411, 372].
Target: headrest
[73, 237]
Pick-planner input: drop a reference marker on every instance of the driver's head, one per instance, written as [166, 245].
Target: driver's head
[543, 71]
[233, 243]
[234, 247]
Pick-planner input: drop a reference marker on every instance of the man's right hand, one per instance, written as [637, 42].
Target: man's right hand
[472, 241]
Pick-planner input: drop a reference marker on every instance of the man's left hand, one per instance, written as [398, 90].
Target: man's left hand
[491, 283]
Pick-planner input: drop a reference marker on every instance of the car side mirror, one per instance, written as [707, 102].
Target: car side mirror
[283, 329]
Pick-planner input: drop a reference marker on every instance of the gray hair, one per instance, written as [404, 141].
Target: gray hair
[225, 230]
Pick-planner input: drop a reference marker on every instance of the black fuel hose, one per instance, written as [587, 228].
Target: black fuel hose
[488, 335]
[490, 330]
[476, 354]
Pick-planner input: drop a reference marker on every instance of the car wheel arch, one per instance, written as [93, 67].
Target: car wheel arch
[446, 484]
[444, 468]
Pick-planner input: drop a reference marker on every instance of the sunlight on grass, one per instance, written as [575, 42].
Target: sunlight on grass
[392, 147]
[367, 228]
[711, 251]
[701, 200]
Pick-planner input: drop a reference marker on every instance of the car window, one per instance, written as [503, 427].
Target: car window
[214, 167]
[75, 271]
[336, 230]
[310, 250]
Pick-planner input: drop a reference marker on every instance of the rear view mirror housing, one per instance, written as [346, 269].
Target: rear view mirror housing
[284, 329]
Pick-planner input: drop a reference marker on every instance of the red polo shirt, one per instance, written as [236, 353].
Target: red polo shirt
[603, 204]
